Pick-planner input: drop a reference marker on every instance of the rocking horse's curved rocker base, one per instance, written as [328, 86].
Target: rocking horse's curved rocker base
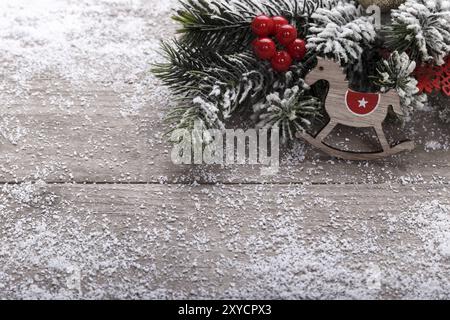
[357, 156]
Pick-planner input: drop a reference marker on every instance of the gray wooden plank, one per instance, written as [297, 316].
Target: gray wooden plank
[108, 147]
[225, 241]
[103, 132]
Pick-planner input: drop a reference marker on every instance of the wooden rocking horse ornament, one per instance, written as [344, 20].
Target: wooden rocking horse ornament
[353, 109]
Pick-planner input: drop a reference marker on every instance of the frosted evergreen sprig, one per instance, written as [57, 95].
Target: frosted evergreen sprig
[210, 87]
[194, 113]
[291, 111]
[422, 29]
[396, 73]
[340, 31]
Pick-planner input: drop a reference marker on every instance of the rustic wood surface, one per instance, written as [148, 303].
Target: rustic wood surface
[92, 207]
[215, 241]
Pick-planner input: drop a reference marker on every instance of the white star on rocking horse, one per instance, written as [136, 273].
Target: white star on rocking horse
[363, 103]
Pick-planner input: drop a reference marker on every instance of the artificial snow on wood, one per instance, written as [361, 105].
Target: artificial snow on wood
[92, 207]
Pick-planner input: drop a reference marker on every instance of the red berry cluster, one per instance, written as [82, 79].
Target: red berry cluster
[265, 48]
[433, 79]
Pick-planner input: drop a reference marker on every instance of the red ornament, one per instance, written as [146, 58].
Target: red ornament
[287, 34]
[265, 48]
[282, 61]
[434, 78]
[297, 49]
[445, 77]
[262, 26]
[278, 22]
[446, 86]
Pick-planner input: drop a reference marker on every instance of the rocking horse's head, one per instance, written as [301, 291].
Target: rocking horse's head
[325, 70]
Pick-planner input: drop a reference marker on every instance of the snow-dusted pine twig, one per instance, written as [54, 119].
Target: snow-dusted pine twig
[396, 73]
[340, 31]
[291, 112]
[422, 29]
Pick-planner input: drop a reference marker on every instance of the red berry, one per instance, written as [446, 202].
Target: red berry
[262, 26]
[297, 49]
[278, 22]
[282, 61]
[265, 48]
[287, 34]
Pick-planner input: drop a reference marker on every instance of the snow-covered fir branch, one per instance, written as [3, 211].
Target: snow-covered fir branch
[292, 111]
[421, 28]
[396, 73]
[210, 86]
[340, 31]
